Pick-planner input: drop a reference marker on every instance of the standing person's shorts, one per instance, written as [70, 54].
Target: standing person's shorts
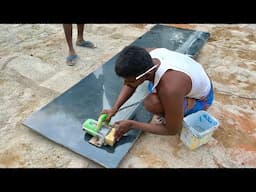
[193, 105]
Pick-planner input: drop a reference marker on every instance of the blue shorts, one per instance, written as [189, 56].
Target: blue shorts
[198, 104]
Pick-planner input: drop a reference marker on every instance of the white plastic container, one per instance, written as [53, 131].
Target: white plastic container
[198, 128]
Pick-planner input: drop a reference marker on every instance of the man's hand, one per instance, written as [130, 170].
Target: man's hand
[122, 127]
[109, 112]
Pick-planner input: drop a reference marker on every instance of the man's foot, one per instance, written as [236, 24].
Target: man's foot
[158, 119]
[71, 60]
[161, 119]
[87, 44]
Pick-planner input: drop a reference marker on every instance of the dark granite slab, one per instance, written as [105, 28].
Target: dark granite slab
[61, 119]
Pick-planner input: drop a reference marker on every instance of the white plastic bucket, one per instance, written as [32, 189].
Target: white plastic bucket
[198, 128]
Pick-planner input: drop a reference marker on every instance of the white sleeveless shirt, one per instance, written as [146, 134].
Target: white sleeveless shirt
[201, 84]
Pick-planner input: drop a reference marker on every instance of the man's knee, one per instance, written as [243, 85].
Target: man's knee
[152, 104]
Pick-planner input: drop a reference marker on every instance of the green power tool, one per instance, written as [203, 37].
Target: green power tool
[100, 130]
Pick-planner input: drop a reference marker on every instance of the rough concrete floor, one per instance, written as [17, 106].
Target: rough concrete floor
[33, 72]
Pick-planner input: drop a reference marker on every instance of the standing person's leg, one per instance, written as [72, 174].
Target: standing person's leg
[80, 34]
[80, 39]
[72, 57]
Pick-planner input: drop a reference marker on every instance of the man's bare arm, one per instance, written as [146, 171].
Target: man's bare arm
[172, 89]
[125, 93]
[159, 129]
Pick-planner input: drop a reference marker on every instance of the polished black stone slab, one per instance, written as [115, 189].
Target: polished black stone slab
[62, 118]
[181, 40]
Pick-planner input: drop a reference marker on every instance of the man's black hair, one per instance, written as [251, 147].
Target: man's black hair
[133, 61]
